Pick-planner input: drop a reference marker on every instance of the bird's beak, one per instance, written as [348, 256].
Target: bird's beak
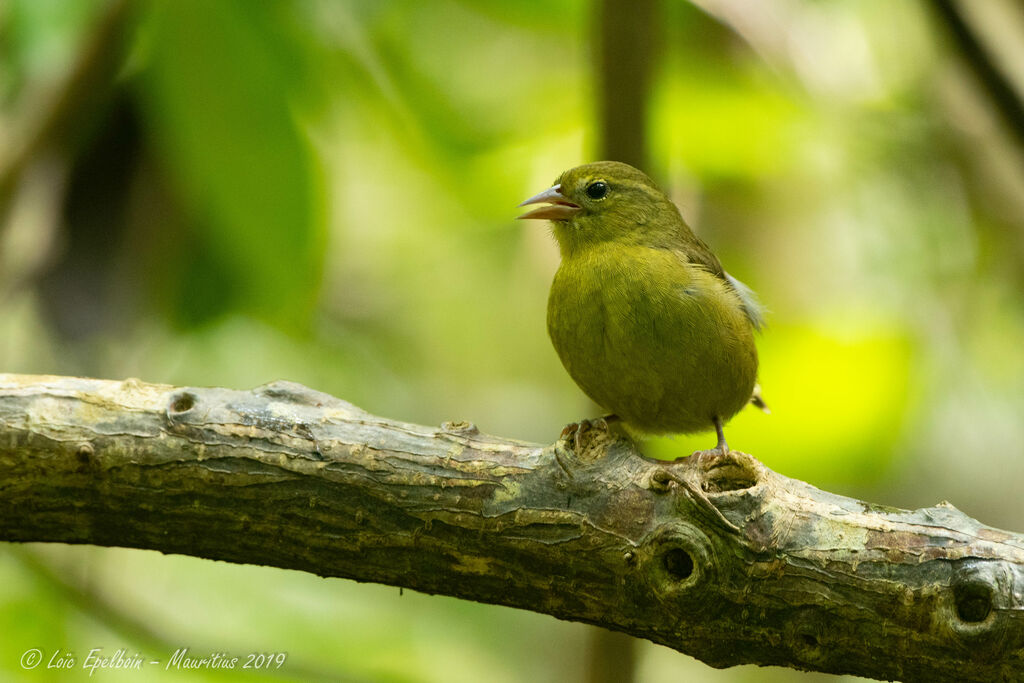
[561, 209]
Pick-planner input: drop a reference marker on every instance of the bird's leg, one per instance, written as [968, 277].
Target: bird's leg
[722, 446]
[611, 418]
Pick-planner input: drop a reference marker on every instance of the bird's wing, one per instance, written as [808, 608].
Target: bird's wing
[696, 252]
[693, 250]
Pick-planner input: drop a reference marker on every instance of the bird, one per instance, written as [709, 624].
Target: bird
[641, 313]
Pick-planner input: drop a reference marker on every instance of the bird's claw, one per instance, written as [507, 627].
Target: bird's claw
[580, 432]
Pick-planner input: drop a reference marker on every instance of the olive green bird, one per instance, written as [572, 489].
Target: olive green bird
[641, 313]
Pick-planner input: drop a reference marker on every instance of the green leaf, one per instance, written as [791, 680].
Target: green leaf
[220, 88]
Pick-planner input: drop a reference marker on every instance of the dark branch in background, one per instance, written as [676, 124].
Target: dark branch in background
[1004, 96]
[717, 557]
[611, 656]
[47, 133]
[85, 89]
[626, 45]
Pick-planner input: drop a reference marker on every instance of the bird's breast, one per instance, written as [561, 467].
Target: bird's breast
[661, 342]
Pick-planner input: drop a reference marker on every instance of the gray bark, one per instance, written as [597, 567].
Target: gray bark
[715, 556]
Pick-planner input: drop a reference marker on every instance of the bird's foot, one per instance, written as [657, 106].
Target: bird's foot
[711, 455]
[721, 449]
[585, 432]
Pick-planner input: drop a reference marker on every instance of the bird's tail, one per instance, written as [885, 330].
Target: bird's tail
[758, 400]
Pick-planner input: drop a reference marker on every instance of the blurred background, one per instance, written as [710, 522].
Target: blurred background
[229, 192]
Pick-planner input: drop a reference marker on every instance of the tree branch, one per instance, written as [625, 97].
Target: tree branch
[717, 557]
[1000, 90]
[84, 90]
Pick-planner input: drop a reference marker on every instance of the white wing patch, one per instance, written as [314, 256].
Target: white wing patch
[751, 306]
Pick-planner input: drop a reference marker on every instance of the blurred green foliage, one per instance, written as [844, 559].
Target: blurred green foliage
[324, 191]
[220, 85]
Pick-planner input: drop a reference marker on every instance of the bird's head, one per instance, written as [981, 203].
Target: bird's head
[606, 201]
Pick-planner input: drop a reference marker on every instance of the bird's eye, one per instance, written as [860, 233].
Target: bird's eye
[597, 189]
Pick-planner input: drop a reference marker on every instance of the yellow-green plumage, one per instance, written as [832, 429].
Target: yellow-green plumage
[641, 312]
